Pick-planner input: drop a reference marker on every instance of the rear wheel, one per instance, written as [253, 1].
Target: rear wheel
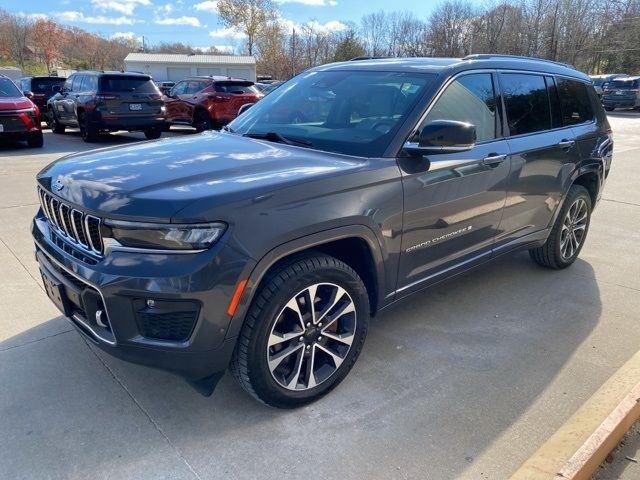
[153, 133]
[303, 332]
[89, 133]
[201, 121]
[609, 109]
[53, 122]
[569, 232]
[35, 140]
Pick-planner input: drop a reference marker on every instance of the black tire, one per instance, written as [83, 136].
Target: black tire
[249, 362]
[89, 133]
[609, 109]
[550, 254]
[35, 140]
[153, 133]
[54, 123]
[201, 121]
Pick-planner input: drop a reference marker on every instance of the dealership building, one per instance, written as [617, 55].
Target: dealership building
[174, 67]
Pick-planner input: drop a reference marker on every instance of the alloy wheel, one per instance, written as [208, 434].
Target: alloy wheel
[574, 227]
[311, 337]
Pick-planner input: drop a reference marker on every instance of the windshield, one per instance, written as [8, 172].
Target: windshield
[121, 83]
[350, 112]
[8, 88]
[45, 85]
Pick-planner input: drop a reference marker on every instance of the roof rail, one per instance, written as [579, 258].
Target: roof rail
[484, 56]
[366, 57]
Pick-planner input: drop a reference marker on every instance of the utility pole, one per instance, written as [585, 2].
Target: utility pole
[143, 47]
[293, 53]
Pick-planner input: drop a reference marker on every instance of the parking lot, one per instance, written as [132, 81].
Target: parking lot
[464, 380]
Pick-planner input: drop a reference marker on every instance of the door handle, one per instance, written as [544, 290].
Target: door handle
[493, 160]
[566, 143]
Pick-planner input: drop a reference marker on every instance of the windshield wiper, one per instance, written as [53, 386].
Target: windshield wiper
[276, 137]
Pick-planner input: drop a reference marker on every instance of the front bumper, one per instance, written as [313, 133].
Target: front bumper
[120, 285]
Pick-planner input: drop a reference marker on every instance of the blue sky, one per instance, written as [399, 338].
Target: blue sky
[195, 21]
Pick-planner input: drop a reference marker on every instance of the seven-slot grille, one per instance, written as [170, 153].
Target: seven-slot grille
[74, 225]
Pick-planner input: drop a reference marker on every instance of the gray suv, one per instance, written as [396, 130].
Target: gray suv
[266, 247]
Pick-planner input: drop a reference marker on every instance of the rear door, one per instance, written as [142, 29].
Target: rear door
[543, 156]
[453, 201]
[64, 105]
[173, 103]
[130, 96]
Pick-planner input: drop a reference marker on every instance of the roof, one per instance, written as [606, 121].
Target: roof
[200, 59]
[217, 78]
[451, 66]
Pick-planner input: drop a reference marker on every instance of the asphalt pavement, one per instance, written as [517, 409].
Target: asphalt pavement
[464, 380]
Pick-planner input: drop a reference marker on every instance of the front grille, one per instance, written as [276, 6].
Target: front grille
[174, 326]
[74, 225]
[12, 123]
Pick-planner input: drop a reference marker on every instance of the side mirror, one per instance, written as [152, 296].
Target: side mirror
[245, 107]
[56, 89]
[28, 94]
[442, 136]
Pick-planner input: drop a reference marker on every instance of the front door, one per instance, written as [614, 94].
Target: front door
[453, 202]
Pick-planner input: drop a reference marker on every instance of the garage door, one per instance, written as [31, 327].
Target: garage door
[239, 73]
[209, 71]
[175, 74]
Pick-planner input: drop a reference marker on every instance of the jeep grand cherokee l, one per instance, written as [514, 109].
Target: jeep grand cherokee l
[19, 116]
[267, 246]
[98, 102]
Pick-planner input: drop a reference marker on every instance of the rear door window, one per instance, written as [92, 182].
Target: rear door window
[235, 87]
[574, 101]
[123, 83]
[68, 85]
[77, 83]
[470, 99]
[554, 102]
[527, 103]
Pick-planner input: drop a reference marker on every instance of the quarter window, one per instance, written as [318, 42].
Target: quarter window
[77, 83]
[470, 99]
[526, 102]
[574, 101]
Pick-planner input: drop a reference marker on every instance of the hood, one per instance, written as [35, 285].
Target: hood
[15, 103]
[155, 180]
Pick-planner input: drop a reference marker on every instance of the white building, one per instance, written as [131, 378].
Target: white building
[174, 67]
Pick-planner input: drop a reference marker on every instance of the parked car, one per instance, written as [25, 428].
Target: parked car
[622, 93]
[208, 102]
[267, 246]
[19, 116]
[164, 87]
[98, 102]
[271, 87]
[41, 89]
[600, 82]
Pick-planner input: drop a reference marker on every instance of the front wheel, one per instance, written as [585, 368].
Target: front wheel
[89, 133]
[153, 133]
[569, 231]
[35, 140]
[201, 121]
[303, 332]
[54, 124]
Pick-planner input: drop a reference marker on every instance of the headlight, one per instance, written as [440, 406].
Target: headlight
[164, 236]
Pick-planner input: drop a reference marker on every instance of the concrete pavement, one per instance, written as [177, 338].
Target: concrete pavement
[464, 380]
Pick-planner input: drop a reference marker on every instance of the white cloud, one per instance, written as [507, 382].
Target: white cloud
[33, 16]
[191, 21]
[328, 27]
[226, 48]
[313, 3]
[166, 8]
[125, 7]
[126, 35]
[226, 33]
[207, 6]
[79, 17]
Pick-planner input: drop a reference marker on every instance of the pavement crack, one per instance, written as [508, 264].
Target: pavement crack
[37, 280]
[30, 342]
[620, 201]
[143, 410]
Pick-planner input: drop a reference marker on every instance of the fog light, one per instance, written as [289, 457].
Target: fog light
[151, 303]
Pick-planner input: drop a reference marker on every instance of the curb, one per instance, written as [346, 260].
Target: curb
[580, 445]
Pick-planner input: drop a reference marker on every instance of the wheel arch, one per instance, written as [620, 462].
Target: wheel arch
[340, 243]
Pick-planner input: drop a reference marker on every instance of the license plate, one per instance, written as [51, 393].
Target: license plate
[619, 92]
[55, 292]
[1, 128]
[135, 106]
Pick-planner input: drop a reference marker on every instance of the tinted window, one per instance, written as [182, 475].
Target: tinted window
[554, 102]
[527, 103]
[623, 84]
[90, 83]
[350, 112]
[45, 85]
[235, 87]
[68, 85]
[195, 86]
[77, 83]
[598, 81]
[8, 88]
[121, 83]
[469, 99]
[575, 102]
[24, 84]
[179, 88]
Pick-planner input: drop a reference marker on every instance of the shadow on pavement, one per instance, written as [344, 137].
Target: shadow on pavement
[442, 375]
